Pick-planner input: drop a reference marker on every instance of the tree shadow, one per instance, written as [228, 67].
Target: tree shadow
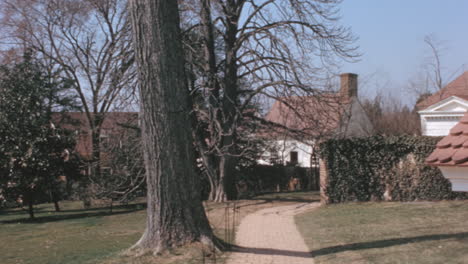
[285, 198]
[20, 211]
[271, 251]
[134, 206]
[386, 243]
[260, 202]
[348, 247]
[63, 216]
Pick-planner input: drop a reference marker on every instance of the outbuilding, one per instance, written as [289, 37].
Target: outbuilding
[451, 156]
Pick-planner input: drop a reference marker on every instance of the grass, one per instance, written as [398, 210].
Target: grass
[419, 232]
[302, 197]
[79, 236]
[72, 236]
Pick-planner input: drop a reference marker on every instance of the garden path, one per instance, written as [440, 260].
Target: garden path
[270, 236]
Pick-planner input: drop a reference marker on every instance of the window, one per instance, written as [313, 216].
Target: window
[293, 157]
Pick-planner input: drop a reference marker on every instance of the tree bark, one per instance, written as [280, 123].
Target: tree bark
[175, 214]
[220, 166]
[227, 165]
[96, 153]
[57, 206]
[31, 209]
[30, 200]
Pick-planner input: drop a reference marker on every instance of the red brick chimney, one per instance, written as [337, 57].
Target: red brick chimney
[349, 85]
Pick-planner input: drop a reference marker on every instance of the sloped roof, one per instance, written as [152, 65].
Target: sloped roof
[113, 124]
[458, 87]
[452, 150]
[312, 115]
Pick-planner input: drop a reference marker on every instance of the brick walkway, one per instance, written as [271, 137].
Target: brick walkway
[270, 236]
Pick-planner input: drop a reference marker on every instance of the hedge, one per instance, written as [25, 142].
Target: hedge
[383, 168]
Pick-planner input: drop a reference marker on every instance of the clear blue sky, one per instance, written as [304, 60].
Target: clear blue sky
[391, 37]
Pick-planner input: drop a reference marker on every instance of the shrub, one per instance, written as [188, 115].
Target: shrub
[383, 168]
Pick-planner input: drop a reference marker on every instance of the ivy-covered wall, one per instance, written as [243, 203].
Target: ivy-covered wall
[382, 168]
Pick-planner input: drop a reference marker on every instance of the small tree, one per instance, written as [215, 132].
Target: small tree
[123, 176]
[32, 150]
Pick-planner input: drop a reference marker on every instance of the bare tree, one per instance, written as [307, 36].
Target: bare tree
[88, 42]
[278, 47]
[175, 212]
[123, 176]
[430, 78]
[390, 117]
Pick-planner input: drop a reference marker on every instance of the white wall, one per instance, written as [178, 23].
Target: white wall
[283, 149]
[438, 125]
[458, 176]
[439, 118]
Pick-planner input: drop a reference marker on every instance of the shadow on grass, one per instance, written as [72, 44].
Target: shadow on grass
[386, 243]
[93, 212]
[283, 197]
[20, 211]
[134, 206]
[342, 248]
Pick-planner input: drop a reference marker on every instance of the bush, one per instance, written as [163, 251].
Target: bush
[383, 168]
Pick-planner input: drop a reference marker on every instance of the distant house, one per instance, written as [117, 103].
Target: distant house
[444, 109]
[114, 127]
[300, 122]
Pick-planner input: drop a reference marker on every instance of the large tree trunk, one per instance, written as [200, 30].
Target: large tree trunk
[230, 100]
[221, 170]
[175, 213]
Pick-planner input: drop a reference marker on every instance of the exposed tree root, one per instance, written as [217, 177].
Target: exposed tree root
[209, 245]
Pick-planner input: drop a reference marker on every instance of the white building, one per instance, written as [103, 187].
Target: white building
[444, 109]
[306, 120]
[451, 156]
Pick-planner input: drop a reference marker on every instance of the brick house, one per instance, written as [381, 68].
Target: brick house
[115, 126]
[303, 121]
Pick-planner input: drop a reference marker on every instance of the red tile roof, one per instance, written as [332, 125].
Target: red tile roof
[312, 115]
[452, 150]
[458, 87]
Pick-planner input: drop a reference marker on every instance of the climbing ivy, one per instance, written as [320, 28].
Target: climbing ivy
[383, 168]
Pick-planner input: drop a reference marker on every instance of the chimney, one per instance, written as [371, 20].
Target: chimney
[349, 85]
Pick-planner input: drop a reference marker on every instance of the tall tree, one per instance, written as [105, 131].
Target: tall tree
[175, 213]
[88, 42]
[430, 76]
[31, 148]
[278, 47]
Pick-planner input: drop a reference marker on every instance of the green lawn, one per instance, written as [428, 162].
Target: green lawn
[76, 235]
[72, 236]
[420, 232]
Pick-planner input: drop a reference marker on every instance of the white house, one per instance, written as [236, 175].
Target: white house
[444, 109]
[451, 156]
[300, 122]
